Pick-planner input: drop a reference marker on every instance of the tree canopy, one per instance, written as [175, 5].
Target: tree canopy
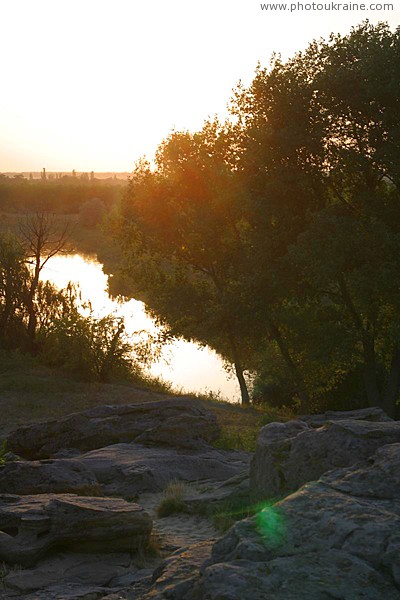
[275, 237]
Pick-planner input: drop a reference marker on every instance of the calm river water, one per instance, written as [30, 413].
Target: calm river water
[189, 368]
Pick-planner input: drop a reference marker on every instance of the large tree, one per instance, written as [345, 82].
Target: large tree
[281, 228]
[329, 120]
[181, 232]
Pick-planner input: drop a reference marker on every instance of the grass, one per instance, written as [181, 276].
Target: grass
[174, 499]
[240, 425]
[227, 514]
[146, 554]
[3, 453]
[31, 392]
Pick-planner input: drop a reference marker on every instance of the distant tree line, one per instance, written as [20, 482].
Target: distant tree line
[275, 237]
[64, 195]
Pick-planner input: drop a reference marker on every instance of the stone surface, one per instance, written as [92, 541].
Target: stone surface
[40, 477]
[131, 469]
[177, 422]
[77, 576]
[63, 569]
[373, 413]
[335, 538]
[378, 477]
[31, 526]
[211, 496]
[175, 577]
[289, 455]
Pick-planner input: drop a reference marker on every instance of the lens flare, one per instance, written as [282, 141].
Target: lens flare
[271, 525]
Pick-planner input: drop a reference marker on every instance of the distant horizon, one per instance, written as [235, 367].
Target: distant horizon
[64, 172]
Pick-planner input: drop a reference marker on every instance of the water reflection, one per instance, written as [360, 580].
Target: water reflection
[190, 367]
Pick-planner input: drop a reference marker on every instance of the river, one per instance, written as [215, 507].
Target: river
[190, 368]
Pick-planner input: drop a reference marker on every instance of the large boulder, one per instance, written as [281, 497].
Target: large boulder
[131, 469]
[173, 422]
[335, 538]
[31, 526]
[48, 476]
[288, 455]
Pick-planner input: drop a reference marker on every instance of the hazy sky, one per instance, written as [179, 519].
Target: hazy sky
[94, 85]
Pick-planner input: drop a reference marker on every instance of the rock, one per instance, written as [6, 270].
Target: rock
[131, 577]
[174, 578]
[289, 455]
[378, 477]
[131, 469]
[30, 526]
[373, 413]
[67, 591]
[56, 476]
[63, 569]
[173, 422]
[335, 538]
[232, 489]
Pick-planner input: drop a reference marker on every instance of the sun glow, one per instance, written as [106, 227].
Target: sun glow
[95, 85]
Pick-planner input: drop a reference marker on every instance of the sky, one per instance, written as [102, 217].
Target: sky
[95, 85]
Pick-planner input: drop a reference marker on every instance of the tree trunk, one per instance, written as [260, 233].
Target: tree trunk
[368, 343]
[370, 379]
[392, 390]
[293, 369]
[244, 392]
[242, 383]
[30, 305]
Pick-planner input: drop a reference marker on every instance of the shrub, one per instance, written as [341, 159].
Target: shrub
[91, 212]
[173, 501]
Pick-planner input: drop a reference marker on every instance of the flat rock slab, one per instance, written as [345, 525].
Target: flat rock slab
[131, 469]
[335, 538]
[288, 455]
[64, 569]
[373, 413]
[31, 526]
[48, 476]
[178, 423]
[212, 496]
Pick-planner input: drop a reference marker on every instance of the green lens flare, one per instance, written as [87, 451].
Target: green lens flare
[271, 525]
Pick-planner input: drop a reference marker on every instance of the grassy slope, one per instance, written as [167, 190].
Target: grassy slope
[31, 392]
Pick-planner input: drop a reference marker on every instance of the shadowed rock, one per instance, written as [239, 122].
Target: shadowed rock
[48, 476]
[335, 538]
[373, 413]
[31, 526]
[175, 577]
[182, 423]
[130, 469]
[289, 455]
[57, 573]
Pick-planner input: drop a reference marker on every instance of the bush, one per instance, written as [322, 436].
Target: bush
[235, 439]
[173, 501]
[91, 213]
[92, 348]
